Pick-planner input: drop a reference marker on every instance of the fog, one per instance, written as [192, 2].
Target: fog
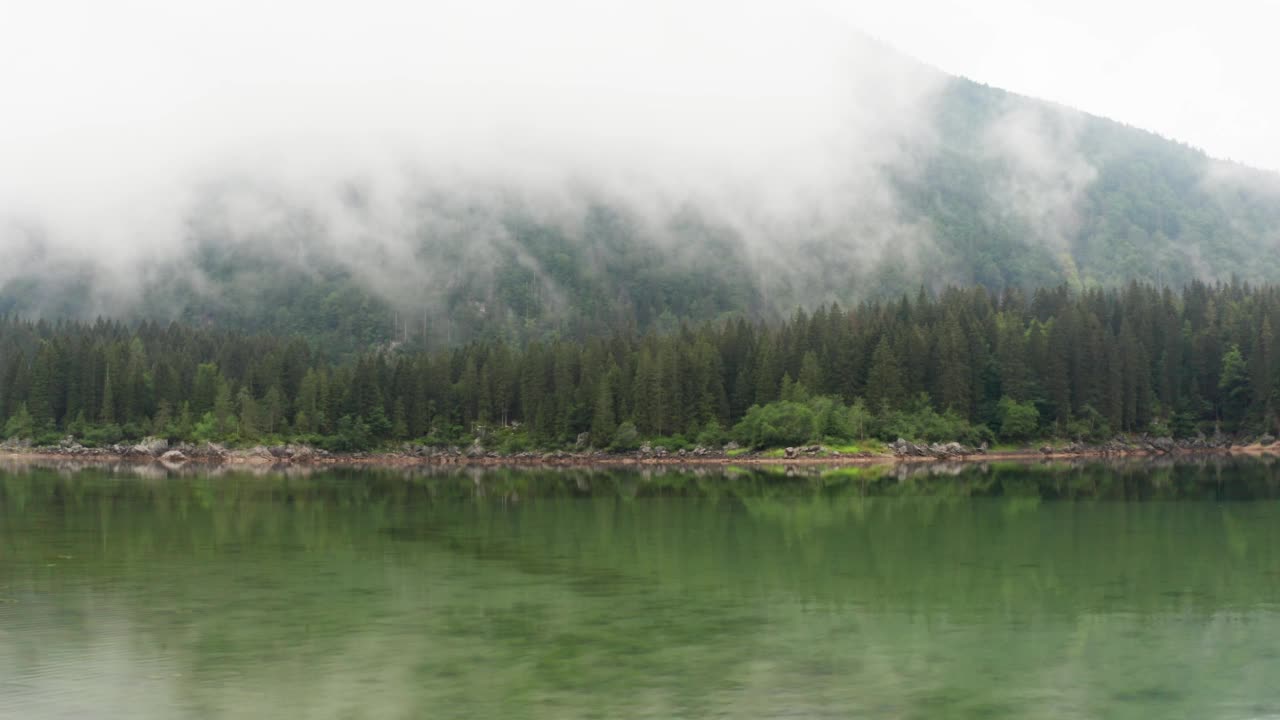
[376, 134]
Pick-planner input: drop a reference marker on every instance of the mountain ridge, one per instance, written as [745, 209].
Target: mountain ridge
[988, 187]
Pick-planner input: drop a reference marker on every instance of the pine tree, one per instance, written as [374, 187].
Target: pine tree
[954, 374]
[811, 374]
[1233, 388]
[250, 415]
[400, 421]
[40, 395]
[884, 384]
[108, 413]
[224, 410]
[273, 409]
[602, 422]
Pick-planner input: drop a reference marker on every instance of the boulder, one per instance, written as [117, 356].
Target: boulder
[257, 454]
[947, 450]
[173, 457]
[909, 449]
[151, 446]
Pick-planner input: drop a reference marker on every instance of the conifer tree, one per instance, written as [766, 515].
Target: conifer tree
[884, 383]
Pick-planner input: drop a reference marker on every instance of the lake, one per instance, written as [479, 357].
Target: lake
[1131, 590]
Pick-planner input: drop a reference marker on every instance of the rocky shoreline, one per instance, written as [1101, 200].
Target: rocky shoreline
[154, 450]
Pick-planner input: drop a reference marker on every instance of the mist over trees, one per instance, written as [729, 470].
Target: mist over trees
[957, 184]
[966, 365]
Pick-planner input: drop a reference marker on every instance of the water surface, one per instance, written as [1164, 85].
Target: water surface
[1130, 591]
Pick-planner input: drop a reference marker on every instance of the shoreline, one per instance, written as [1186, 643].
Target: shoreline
[565, 460]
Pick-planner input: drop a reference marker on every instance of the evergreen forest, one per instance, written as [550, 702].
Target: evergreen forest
[968, 365]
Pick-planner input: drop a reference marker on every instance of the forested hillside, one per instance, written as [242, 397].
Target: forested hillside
[991, 189]
[968, 365]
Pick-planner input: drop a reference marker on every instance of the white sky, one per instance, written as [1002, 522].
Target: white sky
[88, 87]
[1196, 71]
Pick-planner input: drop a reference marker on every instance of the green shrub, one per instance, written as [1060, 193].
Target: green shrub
[1018, 420]
[921, 422]
[101, 435]
[20, 424]
[776, 424]
[351, 435]
[625, 438]
[711, 435]
[47, 438]
[672, 442]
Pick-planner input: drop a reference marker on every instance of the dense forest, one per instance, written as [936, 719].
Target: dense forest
[966, 365]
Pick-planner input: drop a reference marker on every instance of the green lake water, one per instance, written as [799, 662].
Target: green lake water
[1121, 591]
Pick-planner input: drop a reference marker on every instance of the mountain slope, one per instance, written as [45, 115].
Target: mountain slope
[985, 187]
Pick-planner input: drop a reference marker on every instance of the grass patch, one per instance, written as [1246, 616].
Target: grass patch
[874, 447]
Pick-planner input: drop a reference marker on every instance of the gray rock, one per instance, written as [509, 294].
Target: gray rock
[260, 452]
[151, 446]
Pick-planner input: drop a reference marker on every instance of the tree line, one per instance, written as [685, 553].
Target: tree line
[967, 364]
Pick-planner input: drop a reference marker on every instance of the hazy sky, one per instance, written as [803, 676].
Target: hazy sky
[91, 88]
[1199, 72]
